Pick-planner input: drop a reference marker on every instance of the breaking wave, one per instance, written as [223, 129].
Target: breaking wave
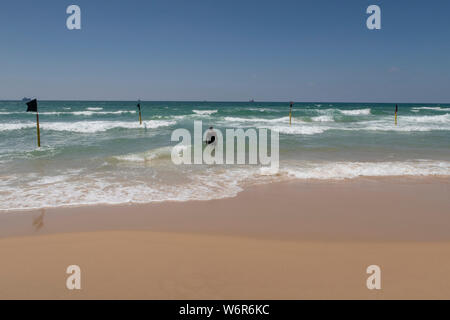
[356, 112]
[86, 126]
[205, 112]
[351, 170]
[76, 113]
[431, 108]
[74, 189]
[152, 155]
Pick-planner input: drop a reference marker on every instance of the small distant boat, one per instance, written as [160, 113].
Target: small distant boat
[252, 101]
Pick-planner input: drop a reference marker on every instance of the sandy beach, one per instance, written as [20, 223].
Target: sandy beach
[232, 150]
[295, 240]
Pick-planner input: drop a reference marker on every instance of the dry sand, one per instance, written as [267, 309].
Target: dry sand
[278, 241]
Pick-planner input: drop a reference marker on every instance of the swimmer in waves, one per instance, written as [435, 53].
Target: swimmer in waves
[211, 137]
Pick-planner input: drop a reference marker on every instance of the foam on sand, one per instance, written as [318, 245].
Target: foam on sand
[95, 189]
[71, 188]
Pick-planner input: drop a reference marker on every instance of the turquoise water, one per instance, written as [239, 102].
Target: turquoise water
[96, 152]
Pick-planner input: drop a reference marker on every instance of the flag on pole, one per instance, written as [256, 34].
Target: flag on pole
[396, 110]
[32, 106]
[290, 113]
[139, 107]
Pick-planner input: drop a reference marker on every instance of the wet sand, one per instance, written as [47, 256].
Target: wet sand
[293, 240]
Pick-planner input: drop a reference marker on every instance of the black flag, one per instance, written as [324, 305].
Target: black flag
[396, 108]
[139, 106]
[32, 106]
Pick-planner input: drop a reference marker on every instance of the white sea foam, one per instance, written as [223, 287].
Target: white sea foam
[76, 113]
[16, 126]
[181, 117]
[415, 109]
[350, 170]
[94, 109]
[95, 189]
[356, 112]
[257, 120]
[86, 126]
[71, 189]
[264, 109]
[153, 154]
[323, 119]
[445, 118]
[90, 113]
[405, 124]
[299, 129]
[205, 112]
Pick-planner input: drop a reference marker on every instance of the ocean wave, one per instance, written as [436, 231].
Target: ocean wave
[357, 112]
[351, 170]
[444, 118]
[153, 154]
[302, 130]
[263, 109]
[76, 113]
[86, 126]
[72, 189]
[96, 190]
[90, 113]
[323, 119]
[431, 108]
[405, 124]
[94, 109]
[205, 112]
[256, 120]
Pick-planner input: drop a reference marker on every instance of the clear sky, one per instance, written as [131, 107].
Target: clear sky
[278, 50]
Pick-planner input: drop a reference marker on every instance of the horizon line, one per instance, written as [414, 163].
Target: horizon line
[222, 101]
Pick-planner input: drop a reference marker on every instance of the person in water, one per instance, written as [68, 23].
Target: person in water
[211, 136]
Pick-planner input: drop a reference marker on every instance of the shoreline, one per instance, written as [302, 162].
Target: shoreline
[277, 241]
[333, 209]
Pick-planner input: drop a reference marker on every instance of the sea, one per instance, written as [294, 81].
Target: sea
[96, 152]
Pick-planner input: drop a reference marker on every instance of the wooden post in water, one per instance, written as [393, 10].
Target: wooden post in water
[290, 113]
[38, 130]
[396, 111]
[33, 107]
[140, 116]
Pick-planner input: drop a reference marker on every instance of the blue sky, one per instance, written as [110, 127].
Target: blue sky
[312, 50]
